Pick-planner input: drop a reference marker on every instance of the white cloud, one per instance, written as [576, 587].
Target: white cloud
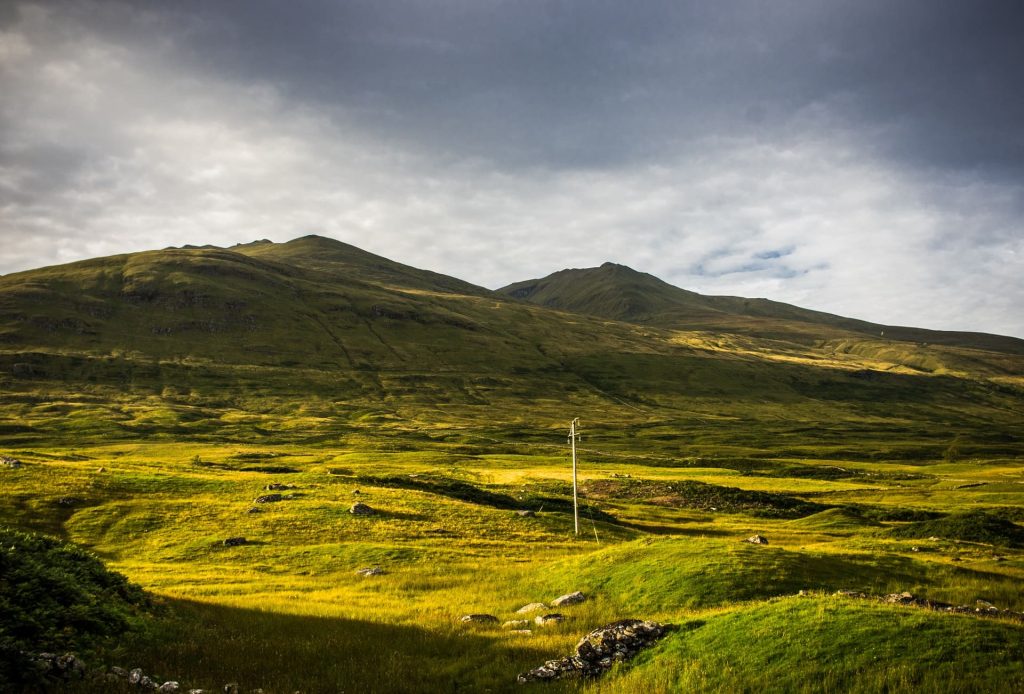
[111, 149]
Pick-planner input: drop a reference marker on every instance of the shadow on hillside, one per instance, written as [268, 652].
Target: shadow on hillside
[206, 646]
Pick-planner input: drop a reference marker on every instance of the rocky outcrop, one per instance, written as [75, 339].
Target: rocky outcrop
[599, 650]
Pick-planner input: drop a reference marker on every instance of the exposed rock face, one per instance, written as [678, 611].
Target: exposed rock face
[361, 509]
[599, 650]
[532, 607]
[268, 498]
[235, 541]
[570, 599]
[479, 619]
[371, 571]
[757, 540]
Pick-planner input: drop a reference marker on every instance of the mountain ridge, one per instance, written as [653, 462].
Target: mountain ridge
[620, 293]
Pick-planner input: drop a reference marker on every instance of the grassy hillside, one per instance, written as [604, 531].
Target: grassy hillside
[620, 293]
[152, 399]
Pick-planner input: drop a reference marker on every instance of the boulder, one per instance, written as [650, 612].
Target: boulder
[268, 498]
[169, 687]
[757, 540]
[478, 619]
[235, 541]
[371, 571]
[361, 509]
[526, 513]
[135, 675]
[532, 607]
[274, 486]
[570, 599]
[599, 650]
[9, 462]
[546, 620]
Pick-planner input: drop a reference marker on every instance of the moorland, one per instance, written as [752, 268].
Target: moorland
[151, 398]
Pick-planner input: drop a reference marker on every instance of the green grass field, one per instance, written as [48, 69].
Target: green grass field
[153, 398]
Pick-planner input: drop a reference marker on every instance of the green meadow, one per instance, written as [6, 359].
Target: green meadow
[153, 398]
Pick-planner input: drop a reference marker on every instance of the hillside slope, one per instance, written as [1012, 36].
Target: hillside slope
[621, 293]
[314, 338]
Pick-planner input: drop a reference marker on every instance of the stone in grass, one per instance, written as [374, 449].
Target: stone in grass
[371, 571]
[255, 509]
[235, 541]
[478, 619]
[599, 650]
[526, 513]
[268, 498]
[361, 509]
[169, 687]
[516, 624]
[546, 620]
[757, 540]
[569, 599]
[532, 607]
[9, 462]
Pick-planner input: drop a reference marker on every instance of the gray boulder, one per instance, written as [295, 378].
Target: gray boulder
[268, 498]
[757, 540]
[570, 599]
[532, 607]
[371, 571]
[478, 619]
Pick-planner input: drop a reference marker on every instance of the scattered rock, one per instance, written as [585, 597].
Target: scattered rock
[516, 624]
[147, 682]
[526, 513]
[9, 462]
[546, 620]
[981, 608]
[255, 509]
[371, 571]
[570, 599]
[235, 541]
[532, 607]
[135, 676]
[198, 691]
[599, 650]
[231, 688]
[757, 540]
[479, 619]
[268, 498]
[361, 509]
[274, 486]
[169, 687]
[68, 501]
[119, 672]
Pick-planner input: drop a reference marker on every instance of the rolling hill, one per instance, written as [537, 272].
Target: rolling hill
[150, 402]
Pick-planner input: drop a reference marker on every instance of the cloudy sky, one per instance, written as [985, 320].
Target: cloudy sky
[863, 157]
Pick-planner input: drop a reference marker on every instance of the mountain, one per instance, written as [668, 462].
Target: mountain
[316, 339]
[621, 293]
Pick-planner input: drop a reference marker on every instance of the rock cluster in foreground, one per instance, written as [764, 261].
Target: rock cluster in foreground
[599, 650]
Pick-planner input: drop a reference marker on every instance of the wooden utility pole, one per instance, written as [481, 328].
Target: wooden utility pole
[573, 435]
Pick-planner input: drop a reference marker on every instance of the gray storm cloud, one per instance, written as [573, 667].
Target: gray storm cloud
[865, 159]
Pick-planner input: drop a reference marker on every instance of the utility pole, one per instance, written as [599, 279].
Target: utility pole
[573, 435]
